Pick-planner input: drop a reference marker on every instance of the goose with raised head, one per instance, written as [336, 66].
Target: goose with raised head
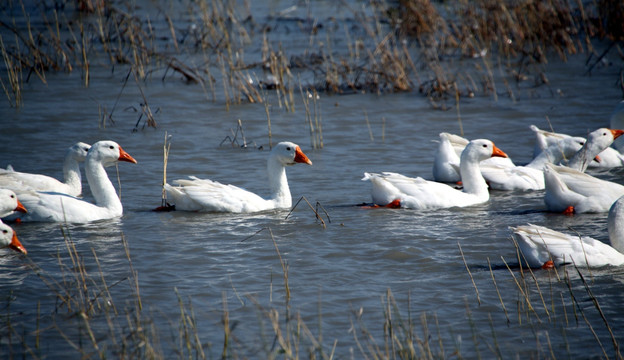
[204, 195]
[418, 193]
[597, 142]
[596, 153]
[540, 244]
[530, 176]
[569, 190]
[56, 207]
[8, 238]
[71, 185]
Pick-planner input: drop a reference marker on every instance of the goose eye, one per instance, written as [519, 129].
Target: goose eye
[484, 145]
[111, 147]
[5, 231]
[12, 196]
[288, 148]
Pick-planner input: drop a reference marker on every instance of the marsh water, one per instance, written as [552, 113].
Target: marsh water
[339, 273]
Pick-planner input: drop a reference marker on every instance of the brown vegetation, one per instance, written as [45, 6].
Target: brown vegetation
[416, 44]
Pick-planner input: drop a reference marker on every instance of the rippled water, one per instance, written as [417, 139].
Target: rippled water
[335, 273]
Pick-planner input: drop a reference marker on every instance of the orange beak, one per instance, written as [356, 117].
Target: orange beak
[300, 157]
[498, 152]
[20, 207]
[17, 245]
[616, 133]
[598, 159]
[124, 156]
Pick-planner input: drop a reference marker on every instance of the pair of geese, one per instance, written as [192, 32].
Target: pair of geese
[58, 202]
[43, 198]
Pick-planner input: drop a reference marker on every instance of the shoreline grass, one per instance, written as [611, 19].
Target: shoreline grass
[481, 48]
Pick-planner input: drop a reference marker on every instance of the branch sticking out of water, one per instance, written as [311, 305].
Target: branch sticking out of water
[316, 213]
[234, 138]
[164, 205]
[469, 273]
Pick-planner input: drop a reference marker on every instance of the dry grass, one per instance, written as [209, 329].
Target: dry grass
[474, 48]
[97, 318]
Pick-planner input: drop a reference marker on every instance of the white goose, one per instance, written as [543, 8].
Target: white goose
[569, 190]
[8, 238]
[9, 203]
[459, 144]
[530, 176]
[540, 244]
[72, 184]
[446, 160]
[544, 139]
[418, 193]
[55, 207]
[210, 196]
[598, 141]
[596, 154]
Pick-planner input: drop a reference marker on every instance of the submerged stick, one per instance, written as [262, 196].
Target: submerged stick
[469, 273]
[311, 207]
[594, 300]
[500, 298]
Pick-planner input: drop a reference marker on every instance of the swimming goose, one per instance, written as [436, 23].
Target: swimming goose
[56, 207]
[446, 160]
[597, 142]
[530, 176]
[544, 139]
[540, 244]
[8, 238]
[72, 184]
[569, 190]
[418, 193]
[598, 145]
[195, 194]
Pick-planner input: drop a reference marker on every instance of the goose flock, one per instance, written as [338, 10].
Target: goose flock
[464, 171]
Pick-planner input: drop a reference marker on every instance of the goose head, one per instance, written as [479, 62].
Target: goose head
[288, 153]
[603, 137]
[9, 202]
[79, 151]
[481, 149]
[108, 153]
[8, 238]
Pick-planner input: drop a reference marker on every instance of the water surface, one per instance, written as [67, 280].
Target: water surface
[338, 274]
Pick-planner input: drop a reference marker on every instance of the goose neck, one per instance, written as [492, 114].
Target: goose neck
[71, 173]
[278, 183]
[101, 187]
[472, 180]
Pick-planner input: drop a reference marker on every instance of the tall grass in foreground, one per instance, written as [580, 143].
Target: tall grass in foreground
[89, 321]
